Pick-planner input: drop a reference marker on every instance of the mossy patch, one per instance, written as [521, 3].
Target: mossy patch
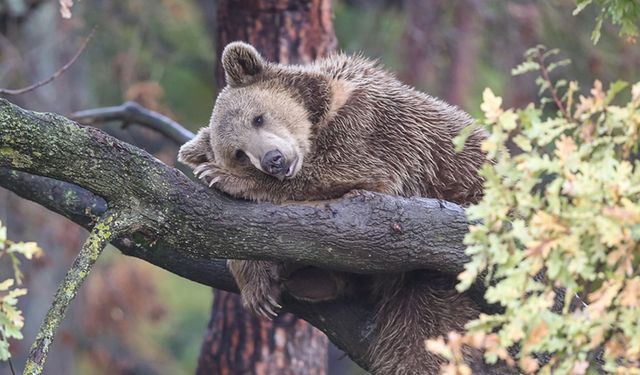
[16, 159]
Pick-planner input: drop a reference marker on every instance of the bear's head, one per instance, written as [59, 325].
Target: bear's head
[264, 119]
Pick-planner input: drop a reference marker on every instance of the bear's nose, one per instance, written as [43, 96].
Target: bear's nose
[273, 162]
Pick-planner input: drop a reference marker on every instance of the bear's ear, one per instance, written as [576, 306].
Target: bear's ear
[197, 150]
[241, 63]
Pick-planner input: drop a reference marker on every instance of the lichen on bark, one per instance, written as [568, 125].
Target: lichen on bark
[106, 230]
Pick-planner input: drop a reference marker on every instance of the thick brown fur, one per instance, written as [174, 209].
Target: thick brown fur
[350, 125]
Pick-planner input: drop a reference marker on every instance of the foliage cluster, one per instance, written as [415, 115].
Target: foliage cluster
[624, 13]
[557, 237]
[11, 319]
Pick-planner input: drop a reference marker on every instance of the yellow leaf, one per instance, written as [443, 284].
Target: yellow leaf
[630, 296]
[635, 93]
[464, 370]
[539, 248]
[529, 365]
[438, 346]
[28, 249]
[602, 298]
[598, 93]
[65, 8]
[491, 105]
[565, 147]
[547, 223]
[580, 368]
[8, 283]
[585, 106]
[508, 120]
[538, 333]
[626, 215]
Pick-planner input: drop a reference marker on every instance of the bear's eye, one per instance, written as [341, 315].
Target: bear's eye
[240, 155]
[258, 121]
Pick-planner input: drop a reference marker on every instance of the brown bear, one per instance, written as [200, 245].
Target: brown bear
[318, 131]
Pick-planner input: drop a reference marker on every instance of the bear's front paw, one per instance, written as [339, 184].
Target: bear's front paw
[211, 173]
[261, 298]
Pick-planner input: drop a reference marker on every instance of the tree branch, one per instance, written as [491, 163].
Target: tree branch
[347, 325]
[56, 74]
[105, 230]
[132, 112]
[184, 226]
[84, 208]
[365, 232]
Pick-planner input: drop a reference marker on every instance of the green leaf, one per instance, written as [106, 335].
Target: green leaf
[614, 89]
[525, 67]
[581, 4]
[5, 285]
[595, 35]
[460, 140]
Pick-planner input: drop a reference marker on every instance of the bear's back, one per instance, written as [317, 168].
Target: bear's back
[405, 131]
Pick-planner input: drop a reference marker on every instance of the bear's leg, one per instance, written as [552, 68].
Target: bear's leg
[260, 285]
[315, 284]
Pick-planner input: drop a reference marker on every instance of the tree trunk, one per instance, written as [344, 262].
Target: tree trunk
[236, 342]
[420, 43]
[464, 56]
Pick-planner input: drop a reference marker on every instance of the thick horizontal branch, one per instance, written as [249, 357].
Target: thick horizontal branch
[365, 232]
[84, 208]
[346, 324]
[187, 228]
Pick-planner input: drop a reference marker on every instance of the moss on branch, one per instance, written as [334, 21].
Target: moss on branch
[105, 230]
[187, 228]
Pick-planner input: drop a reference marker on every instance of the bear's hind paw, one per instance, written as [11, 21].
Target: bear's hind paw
[263, 301]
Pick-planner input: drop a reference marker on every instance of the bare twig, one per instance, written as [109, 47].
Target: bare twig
[107, 229]
[132, 112]
[54, 75]
[13, 371]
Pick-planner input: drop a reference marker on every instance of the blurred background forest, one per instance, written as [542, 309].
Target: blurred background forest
[134, 318]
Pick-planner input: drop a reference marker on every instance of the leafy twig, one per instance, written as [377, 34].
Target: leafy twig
[552, 88]
[54, 75]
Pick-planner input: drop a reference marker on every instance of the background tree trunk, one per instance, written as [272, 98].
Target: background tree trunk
[236, 342]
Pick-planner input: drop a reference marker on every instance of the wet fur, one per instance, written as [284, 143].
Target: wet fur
[363, 129]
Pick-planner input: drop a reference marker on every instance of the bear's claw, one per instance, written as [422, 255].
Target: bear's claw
[262, 300]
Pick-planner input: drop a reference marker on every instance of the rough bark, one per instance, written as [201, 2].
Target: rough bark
[185, 226]
[285, 31]
[239, 343]
[105, 230]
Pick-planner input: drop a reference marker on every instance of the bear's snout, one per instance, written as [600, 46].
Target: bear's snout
[274, 163]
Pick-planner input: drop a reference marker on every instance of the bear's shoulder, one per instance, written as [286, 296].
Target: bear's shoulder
[339, 66]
